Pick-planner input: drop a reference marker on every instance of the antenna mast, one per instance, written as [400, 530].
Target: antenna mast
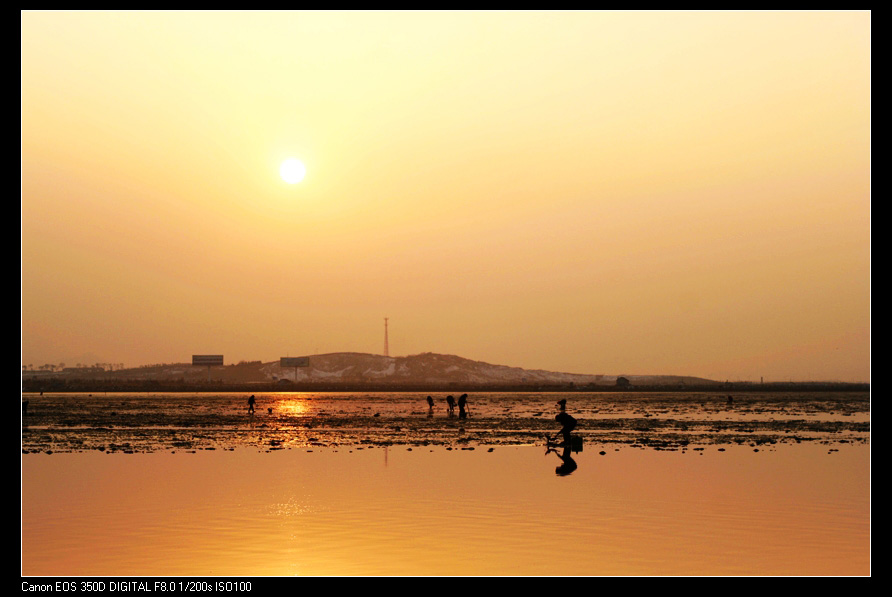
[386, 347]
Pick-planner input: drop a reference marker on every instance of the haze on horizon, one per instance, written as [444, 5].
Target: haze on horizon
[680, 193]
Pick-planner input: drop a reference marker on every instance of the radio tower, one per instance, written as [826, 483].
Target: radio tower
[386, 347]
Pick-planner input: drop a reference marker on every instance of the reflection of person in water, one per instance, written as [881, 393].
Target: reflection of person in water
[462, 404]
[568, 465]
[251, 402]
[569, 424]
[450, 401]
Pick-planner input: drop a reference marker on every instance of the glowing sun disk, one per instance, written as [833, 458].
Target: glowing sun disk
[292, 171]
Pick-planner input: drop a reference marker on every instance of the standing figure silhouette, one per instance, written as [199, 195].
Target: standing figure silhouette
[462, 406]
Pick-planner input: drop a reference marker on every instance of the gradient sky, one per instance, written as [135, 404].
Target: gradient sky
[591, 192]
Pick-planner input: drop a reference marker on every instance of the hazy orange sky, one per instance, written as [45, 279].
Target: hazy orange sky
[592, 192]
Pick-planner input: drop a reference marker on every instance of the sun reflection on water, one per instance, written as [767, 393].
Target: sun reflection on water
[294, 405]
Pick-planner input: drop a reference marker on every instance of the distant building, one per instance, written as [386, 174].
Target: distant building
[622, 382]
[83, 370]
[37, 373]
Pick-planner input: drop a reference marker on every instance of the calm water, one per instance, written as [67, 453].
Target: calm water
[194, 486]
[401, 511]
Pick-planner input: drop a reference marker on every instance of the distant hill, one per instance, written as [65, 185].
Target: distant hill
[359, 369]
[436, 369]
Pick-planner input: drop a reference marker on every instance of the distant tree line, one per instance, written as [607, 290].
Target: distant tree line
[93, 384]
[52, 367]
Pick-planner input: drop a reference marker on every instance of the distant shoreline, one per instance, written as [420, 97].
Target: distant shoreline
[117, 385]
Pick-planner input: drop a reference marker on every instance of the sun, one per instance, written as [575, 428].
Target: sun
[292, 171]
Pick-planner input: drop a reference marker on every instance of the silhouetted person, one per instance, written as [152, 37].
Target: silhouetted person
[430, 403]
[562, 403]
[462, 405]
[25, 407]
[568, 465]
[269, 410]
[450, 402]
[569, 424]
[730, 400]
[251, 402]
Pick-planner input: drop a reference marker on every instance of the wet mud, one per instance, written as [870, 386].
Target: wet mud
[190, 422]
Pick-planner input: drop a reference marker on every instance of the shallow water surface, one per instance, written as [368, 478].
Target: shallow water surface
[799, 509]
